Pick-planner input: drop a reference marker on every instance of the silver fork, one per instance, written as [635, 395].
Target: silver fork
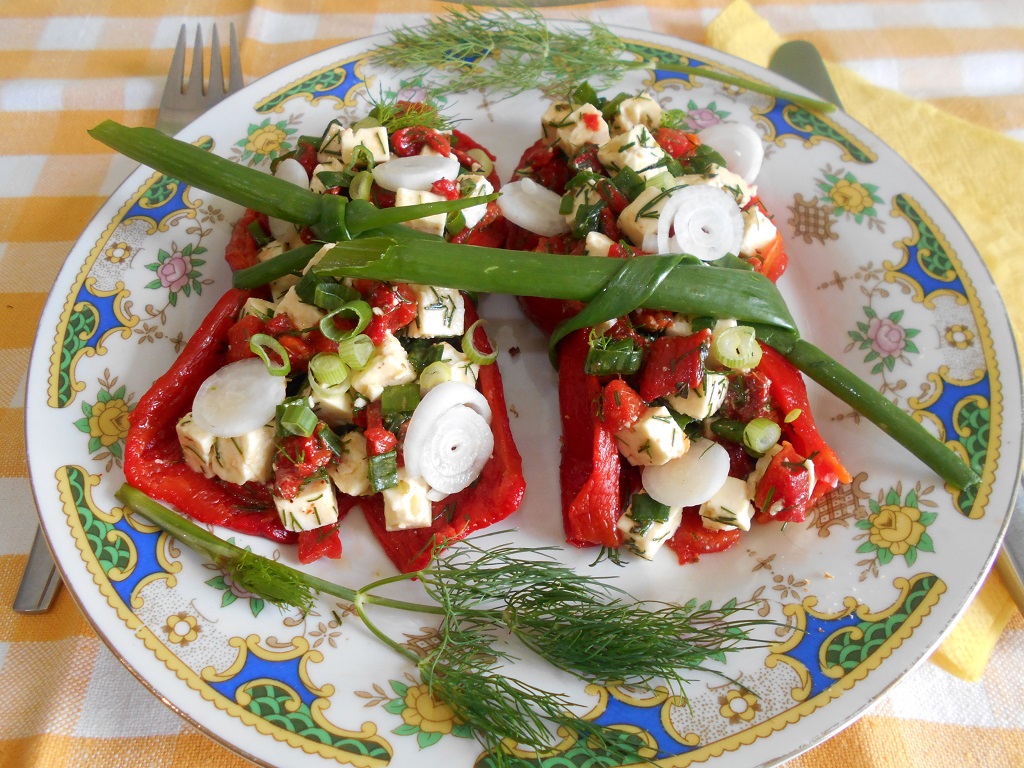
[182, 103]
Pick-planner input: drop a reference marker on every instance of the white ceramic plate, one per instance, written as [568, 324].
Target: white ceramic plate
[881, 277]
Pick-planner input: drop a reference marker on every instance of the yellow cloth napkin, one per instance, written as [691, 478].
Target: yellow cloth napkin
[971, 168]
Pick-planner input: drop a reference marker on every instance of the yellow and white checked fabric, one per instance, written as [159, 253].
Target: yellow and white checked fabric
[66, 64]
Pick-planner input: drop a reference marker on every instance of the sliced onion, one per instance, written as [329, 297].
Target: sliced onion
[418, 172]
[704, 221]
[291, 170]
[529, 205]
[458, 446]
[739, 144]
[423, 425]
[691, 479]
[237, 399]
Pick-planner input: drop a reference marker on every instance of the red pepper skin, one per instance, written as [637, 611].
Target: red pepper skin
[298, 459]
[675, 142]
[674, 362]
[397, 304]
[495, 495]
[590, 464]
[153, 461]
[621, 406]
[692, 539]
[242, 248]
[446, 189]
[545, 164]
[411, 141]
[788, 393]
[786, 481]
[319, 542]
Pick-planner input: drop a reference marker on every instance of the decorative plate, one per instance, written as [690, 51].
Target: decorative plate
[881, 276]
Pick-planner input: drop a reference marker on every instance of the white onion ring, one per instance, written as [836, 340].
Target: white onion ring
[704, 220]
[293, 171]
[455, 452]
[430, 411]
[739, 144]
[418, 172]
[240, 397]
[535, 208]
[691, 479]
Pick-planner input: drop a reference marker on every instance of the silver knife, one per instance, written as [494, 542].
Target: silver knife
[800, 61]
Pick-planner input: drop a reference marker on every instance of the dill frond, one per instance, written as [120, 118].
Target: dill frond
[275, 583]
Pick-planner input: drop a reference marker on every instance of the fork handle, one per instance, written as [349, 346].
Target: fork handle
[41, 579]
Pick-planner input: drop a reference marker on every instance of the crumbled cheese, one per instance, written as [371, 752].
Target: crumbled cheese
[474, 185]
[553, 119]
[758, 231]
[639, 110]
[462, 369]
[653, 440]
[640, 218]
[645, 539]
[583, 195]
[314, 506]
[330, 165]
[304, 316]
[335, 409]
[723, 178]
[260, 308]
[280, 286]
[598, 244]
[374, 139]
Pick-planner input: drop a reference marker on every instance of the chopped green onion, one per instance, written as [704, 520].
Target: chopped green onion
[400, 398]
[737, 348]
[360, 186]
[288, 263]
[481, 157]
[363, 315]
[613, 356]
[332, 441]
[629, 183]
[295, 417]
[362, 155]
[367, 122]
[730, 429]
[422, 352]
[566, 204]
[262, 345]
[761, 435]
[436, 373]
[331, 226]
[793, 415]
[645, 511]
[383, 471]
[331, 295]
[328, 375]
[456, 223]
[256, 230]
[356, 352]
[470, 350]
[664, 180]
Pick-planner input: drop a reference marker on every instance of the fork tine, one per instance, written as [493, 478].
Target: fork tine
[195, 75]
[176, 76]
[235, 83]
[215, 87]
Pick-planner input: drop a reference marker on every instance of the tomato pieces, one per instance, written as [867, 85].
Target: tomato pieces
[319, 542]
[407, 142]
[674, 362]
[692, 539]
[675, 142]
[784, 491]
[446, 188]
[621, 406]
[397, 305]
[242, 247]
[297, 460]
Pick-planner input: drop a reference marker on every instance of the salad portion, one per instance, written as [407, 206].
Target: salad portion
[676, 429]
[298, 399]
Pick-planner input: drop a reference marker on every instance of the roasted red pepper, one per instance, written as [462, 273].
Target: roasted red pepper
[789, 395]
[784, 491]
[494, 495]
[675, 142]
[397, 308]
[319, 542]
[621, 406]
[590, 463]
[692, 539]
[242, 247]
[153, 462]
[674, 363]
[298, 459]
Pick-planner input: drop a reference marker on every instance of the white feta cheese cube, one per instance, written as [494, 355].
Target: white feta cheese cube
[335, 409]
[598, 244]
[681, 326]
[462, 369]
[584, 125]
[645, 538]
[406, 504]
[434, 224]
[373, 139]
[758, 231]
[653, 440]
[729, 508]
[639, 219]
[351, 475]
[702, 402]
[553, 119]
[304, 316]
[314, 506]
[723, 178]
[639, 110]
[279, 287]
[330, 165]
[584, 194]
[260, 308]
[635, 149]
[474, 185]
[439, 312]
[330, 144]
[196, 445]
[388, 365]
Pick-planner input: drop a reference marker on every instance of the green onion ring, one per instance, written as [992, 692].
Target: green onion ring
[261, 344]
[470, 350]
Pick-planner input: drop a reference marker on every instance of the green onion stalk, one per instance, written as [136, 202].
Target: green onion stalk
[578, 622]
[386, 251]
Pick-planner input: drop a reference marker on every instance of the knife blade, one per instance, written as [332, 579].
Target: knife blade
[801, 62]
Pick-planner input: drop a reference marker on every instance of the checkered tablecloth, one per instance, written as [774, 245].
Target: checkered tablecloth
[64, 66]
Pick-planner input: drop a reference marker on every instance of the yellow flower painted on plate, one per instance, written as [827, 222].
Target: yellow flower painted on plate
[118, 253]
[182, 629]
[959, 336]
[896, 528]
[737, 705]
[426, 713]
[266, 140]
[851, 196]
[109, 421]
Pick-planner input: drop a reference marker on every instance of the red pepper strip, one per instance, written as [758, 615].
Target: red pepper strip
[785, 485]
[590, 458]
[789, 394]
[675, 142]
[319, 542]
[495, 495]
[153, 461]
[692, 539]
[674, 362]
[242, 248]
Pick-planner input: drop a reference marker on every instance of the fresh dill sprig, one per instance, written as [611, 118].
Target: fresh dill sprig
[392, 113]
[503, 52]
[578, 622]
